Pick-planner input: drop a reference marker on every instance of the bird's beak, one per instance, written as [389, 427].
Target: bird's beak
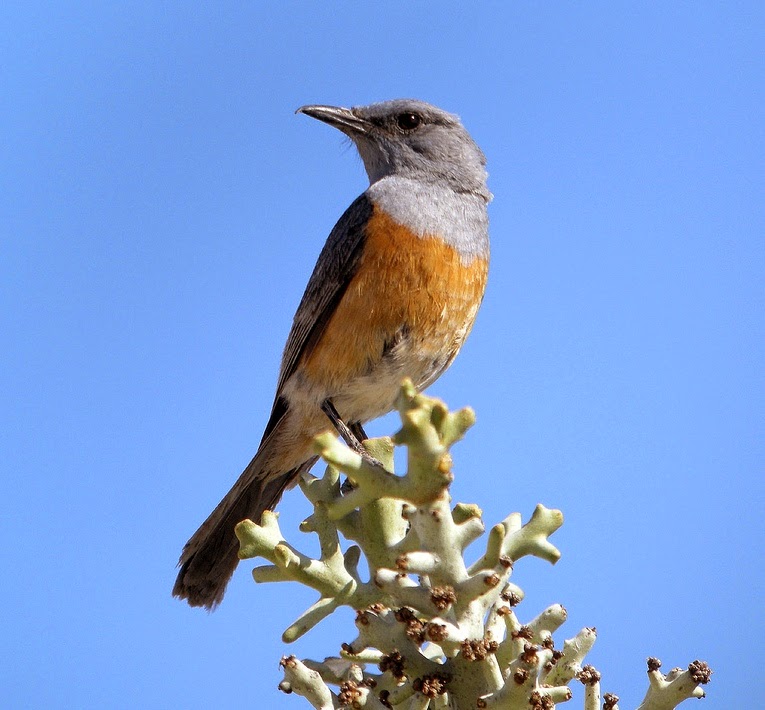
[341, 118]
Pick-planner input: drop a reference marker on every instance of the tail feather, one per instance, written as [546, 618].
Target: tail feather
[209, 558]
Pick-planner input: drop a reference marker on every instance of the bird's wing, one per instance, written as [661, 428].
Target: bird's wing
[334, 269]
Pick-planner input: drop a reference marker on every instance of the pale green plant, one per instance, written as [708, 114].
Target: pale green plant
[433, 631]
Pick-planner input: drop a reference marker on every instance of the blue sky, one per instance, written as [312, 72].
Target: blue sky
[162, 209]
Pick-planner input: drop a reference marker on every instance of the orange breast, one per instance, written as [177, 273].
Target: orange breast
[403, 281]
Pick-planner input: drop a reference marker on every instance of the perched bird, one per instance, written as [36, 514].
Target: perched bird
[393, 294]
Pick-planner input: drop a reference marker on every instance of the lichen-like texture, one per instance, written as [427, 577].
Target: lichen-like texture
[433, 630]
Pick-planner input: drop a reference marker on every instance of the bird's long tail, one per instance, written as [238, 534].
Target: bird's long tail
[209, 558]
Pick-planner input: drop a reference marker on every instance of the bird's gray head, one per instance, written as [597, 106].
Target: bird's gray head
[410, 138]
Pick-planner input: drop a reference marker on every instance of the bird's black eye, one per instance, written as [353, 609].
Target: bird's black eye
[408, 121]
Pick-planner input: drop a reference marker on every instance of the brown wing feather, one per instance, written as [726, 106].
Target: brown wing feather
[334, 269]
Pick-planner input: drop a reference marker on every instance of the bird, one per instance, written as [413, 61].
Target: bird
[394, 294]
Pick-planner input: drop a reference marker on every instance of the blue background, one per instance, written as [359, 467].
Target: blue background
[161, 211]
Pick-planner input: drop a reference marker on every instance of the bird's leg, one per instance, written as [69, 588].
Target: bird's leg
[358, 431]
[352, 434]
[349, 434]
[360, 435]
